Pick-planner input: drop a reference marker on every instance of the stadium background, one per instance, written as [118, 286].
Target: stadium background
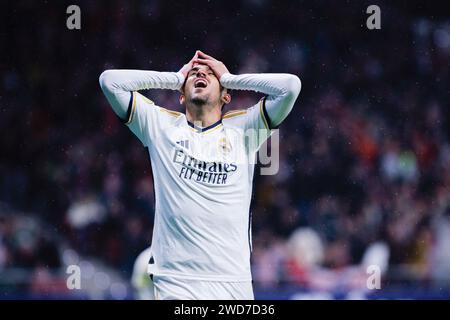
[365, 155]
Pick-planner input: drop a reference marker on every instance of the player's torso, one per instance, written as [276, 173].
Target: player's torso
[214, 157]
[203, 190]
[202, 169]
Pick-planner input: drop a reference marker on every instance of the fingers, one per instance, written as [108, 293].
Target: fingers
[188, 66]
[193, 58]
[203, 61]
[204, 55]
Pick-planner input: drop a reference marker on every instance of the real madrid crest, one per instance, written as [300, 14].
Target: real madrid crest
[224, 146]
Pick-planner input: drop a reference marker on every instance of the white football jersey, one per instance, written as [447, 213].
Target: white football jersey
[203, 186]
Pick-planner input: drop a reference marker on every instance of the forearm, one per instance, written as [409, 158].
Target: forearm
[117, 85]
[282, 90]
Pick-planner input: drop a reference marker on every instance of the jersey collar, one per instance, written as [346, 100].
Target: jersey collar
[200, 129]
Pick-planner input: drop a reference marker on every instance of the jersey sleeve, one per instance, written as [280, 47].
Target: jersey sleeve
[257, 129]
[143, 118]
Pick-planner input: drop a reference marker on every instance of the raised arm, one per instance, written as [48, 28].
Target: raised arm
[281, 89]
[117, 85]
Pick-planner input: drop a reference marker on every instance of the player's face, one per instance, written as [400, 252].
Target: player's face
[202, 86]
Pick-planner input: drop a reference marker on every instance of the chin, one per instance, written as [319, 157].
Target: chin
[199, 100]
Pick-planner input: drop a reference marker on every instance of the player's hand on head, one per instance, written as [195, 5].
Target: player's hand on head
[218, 67]
[188, 66]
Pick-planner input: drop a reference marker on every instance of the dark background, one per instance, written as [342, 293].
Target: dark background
[365, 154]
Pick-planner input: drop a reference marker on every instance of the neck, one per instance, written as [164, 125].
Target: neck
[203, 115]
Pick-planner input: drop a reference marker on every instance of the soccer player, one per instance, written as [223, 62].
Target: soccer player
[202, 162]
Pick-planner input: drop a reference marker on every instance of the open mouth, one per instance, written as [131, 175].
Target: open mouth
[200, 83]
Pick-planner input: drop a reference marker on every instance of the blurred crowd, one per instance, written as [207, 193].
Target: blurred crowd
[365, 153]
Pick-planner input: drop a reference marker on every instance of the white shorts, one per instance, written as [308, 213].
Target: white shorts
[181, 289]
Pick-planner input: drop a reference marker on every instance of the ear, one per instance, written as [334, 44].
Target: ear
[182, 99]
[226, 98]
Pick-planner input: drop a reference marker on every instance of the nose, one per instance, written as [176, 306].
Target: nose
[201, 73]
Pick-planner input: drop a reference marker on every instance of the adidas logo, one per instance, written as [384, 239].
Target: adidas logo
[184, 143]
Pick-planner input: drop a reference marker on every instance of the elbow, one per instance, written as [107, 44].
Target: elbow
[294, 85]
[106, 79]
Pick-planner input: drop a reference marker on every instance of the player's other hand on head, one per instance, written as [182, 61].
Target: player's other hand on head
[218, 67]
